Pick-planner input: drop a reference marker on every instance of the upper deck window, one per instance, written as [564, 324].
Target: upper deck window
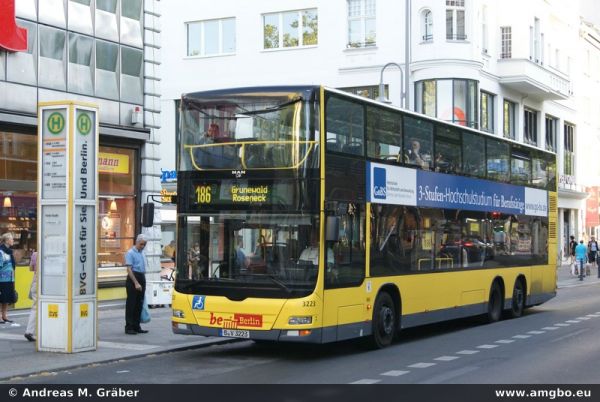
[246, 131]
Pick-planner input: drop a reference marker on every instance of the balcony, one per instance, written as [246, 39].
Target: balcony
[532, 79]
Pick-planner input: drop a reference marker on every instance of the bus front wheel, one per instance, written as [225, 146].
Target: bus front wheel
[384, 321]
[494, 310]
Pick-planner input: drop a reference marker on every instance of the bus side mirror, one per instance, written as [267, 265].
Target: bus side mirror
[332, 228]
[148, 214]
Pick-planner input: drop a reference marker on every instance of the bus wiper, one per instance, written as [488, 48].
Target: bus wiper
[281, 284]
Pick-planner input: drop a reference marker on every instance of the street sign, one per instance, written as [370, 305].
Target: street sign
[67, 199]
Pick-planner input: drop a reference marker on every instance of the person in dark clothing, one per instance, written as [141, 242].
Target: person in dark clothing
[572, 245]
[135, 260]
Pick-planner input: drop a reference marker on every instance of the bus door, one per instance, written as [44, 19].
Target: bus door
[345, 297]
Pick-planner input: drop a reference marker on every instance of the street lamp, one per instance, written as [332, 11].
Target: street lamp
[382, 97]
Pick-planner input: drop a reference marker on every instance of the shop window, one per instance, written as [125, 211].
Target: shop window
[116, 211]
[18, 197]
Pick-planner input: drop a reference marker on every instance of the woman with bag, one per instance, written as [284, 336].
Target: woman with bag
[30, 331]
[7, 276]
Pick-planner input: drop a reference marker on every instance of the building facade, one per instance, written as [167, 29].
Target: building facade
[475, 63]
[105, 52]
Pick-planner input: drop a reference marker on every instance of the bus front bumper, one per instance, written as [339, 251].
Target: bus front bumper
[282, 335]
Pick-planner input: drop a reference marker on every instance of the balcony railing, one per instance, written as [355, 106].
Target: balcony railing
[527, 77]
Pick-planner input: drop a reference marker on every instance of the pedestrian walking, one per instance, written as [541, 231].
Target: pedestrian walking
[30, 330]
[572, 246]
[581, 255]
[592, 250]
[135, 285]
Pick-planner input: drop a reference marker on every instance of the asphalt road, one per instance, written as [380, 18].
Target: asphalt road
[556, 343]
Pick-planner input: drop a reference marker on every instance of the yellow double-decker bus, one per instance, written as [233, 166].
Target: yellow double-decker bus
[307, 214]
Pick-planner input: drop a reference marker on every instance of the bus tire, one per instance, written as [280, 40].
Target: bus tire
[384, 321]
[494, 309]
[518, 300]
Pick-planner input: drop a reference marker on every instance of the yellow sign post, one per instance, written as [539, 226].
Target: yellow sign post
[67, 207]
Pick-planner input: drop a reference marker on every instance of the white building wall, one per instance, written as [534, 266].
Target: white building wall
[333, 64]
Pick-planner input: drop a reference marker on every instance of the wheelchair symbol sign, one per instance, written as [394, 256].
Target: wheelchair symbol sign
[198, 302]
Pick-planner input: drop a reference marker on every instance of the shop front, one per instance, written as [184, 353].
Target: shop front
[119, 189]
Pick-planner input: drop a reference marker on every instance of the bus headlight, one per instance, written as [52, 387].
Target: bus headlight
[300, 320]
[178, 314]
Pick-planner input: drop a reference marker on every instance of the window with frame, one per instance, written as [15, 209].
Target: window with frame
[569, 146]
[450, 100]
[211, 37]
[348, 266]
[551, 129]
[487, 112]
[418, 139]
[290, 29]
[530, 135]
[505, 42]
[447, 151]
[509, 119]
[520, 166]
[409, 239]
[361, 23]
[498, 156]
[455, 20]
[384, 134]
[345, 126]
[427, 25]
[473, 152]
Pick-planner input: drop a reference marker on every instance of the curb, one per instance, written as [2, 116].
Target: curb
[206, 343]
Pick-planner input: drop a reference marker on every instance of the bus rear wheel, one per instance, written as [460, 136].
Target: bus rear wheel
[518, 300]
[494, 310]
[384, 321]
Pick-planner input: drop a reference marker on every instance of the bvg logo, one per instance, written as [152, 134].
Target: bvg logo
[379, 183]
[56, 123]
[238, 320]
[12, 37]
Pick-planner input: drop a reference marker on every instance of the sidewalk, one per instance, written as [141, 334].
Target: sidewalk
[566, 279]
[19, 357]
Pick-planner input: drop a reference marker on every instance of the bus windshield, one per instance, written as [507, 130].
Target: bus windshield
[252, 131]
[265, 254]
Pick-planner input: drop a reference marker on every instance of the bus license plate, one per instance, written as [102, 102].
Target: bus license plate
[235, 333]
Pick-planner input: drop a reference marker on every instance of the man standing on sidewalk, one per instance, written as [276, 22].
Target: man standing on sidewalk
[135, 259]
[581, 255]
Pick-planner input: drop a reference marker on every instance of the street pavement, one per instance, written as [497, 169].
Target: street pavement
[19, 357]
